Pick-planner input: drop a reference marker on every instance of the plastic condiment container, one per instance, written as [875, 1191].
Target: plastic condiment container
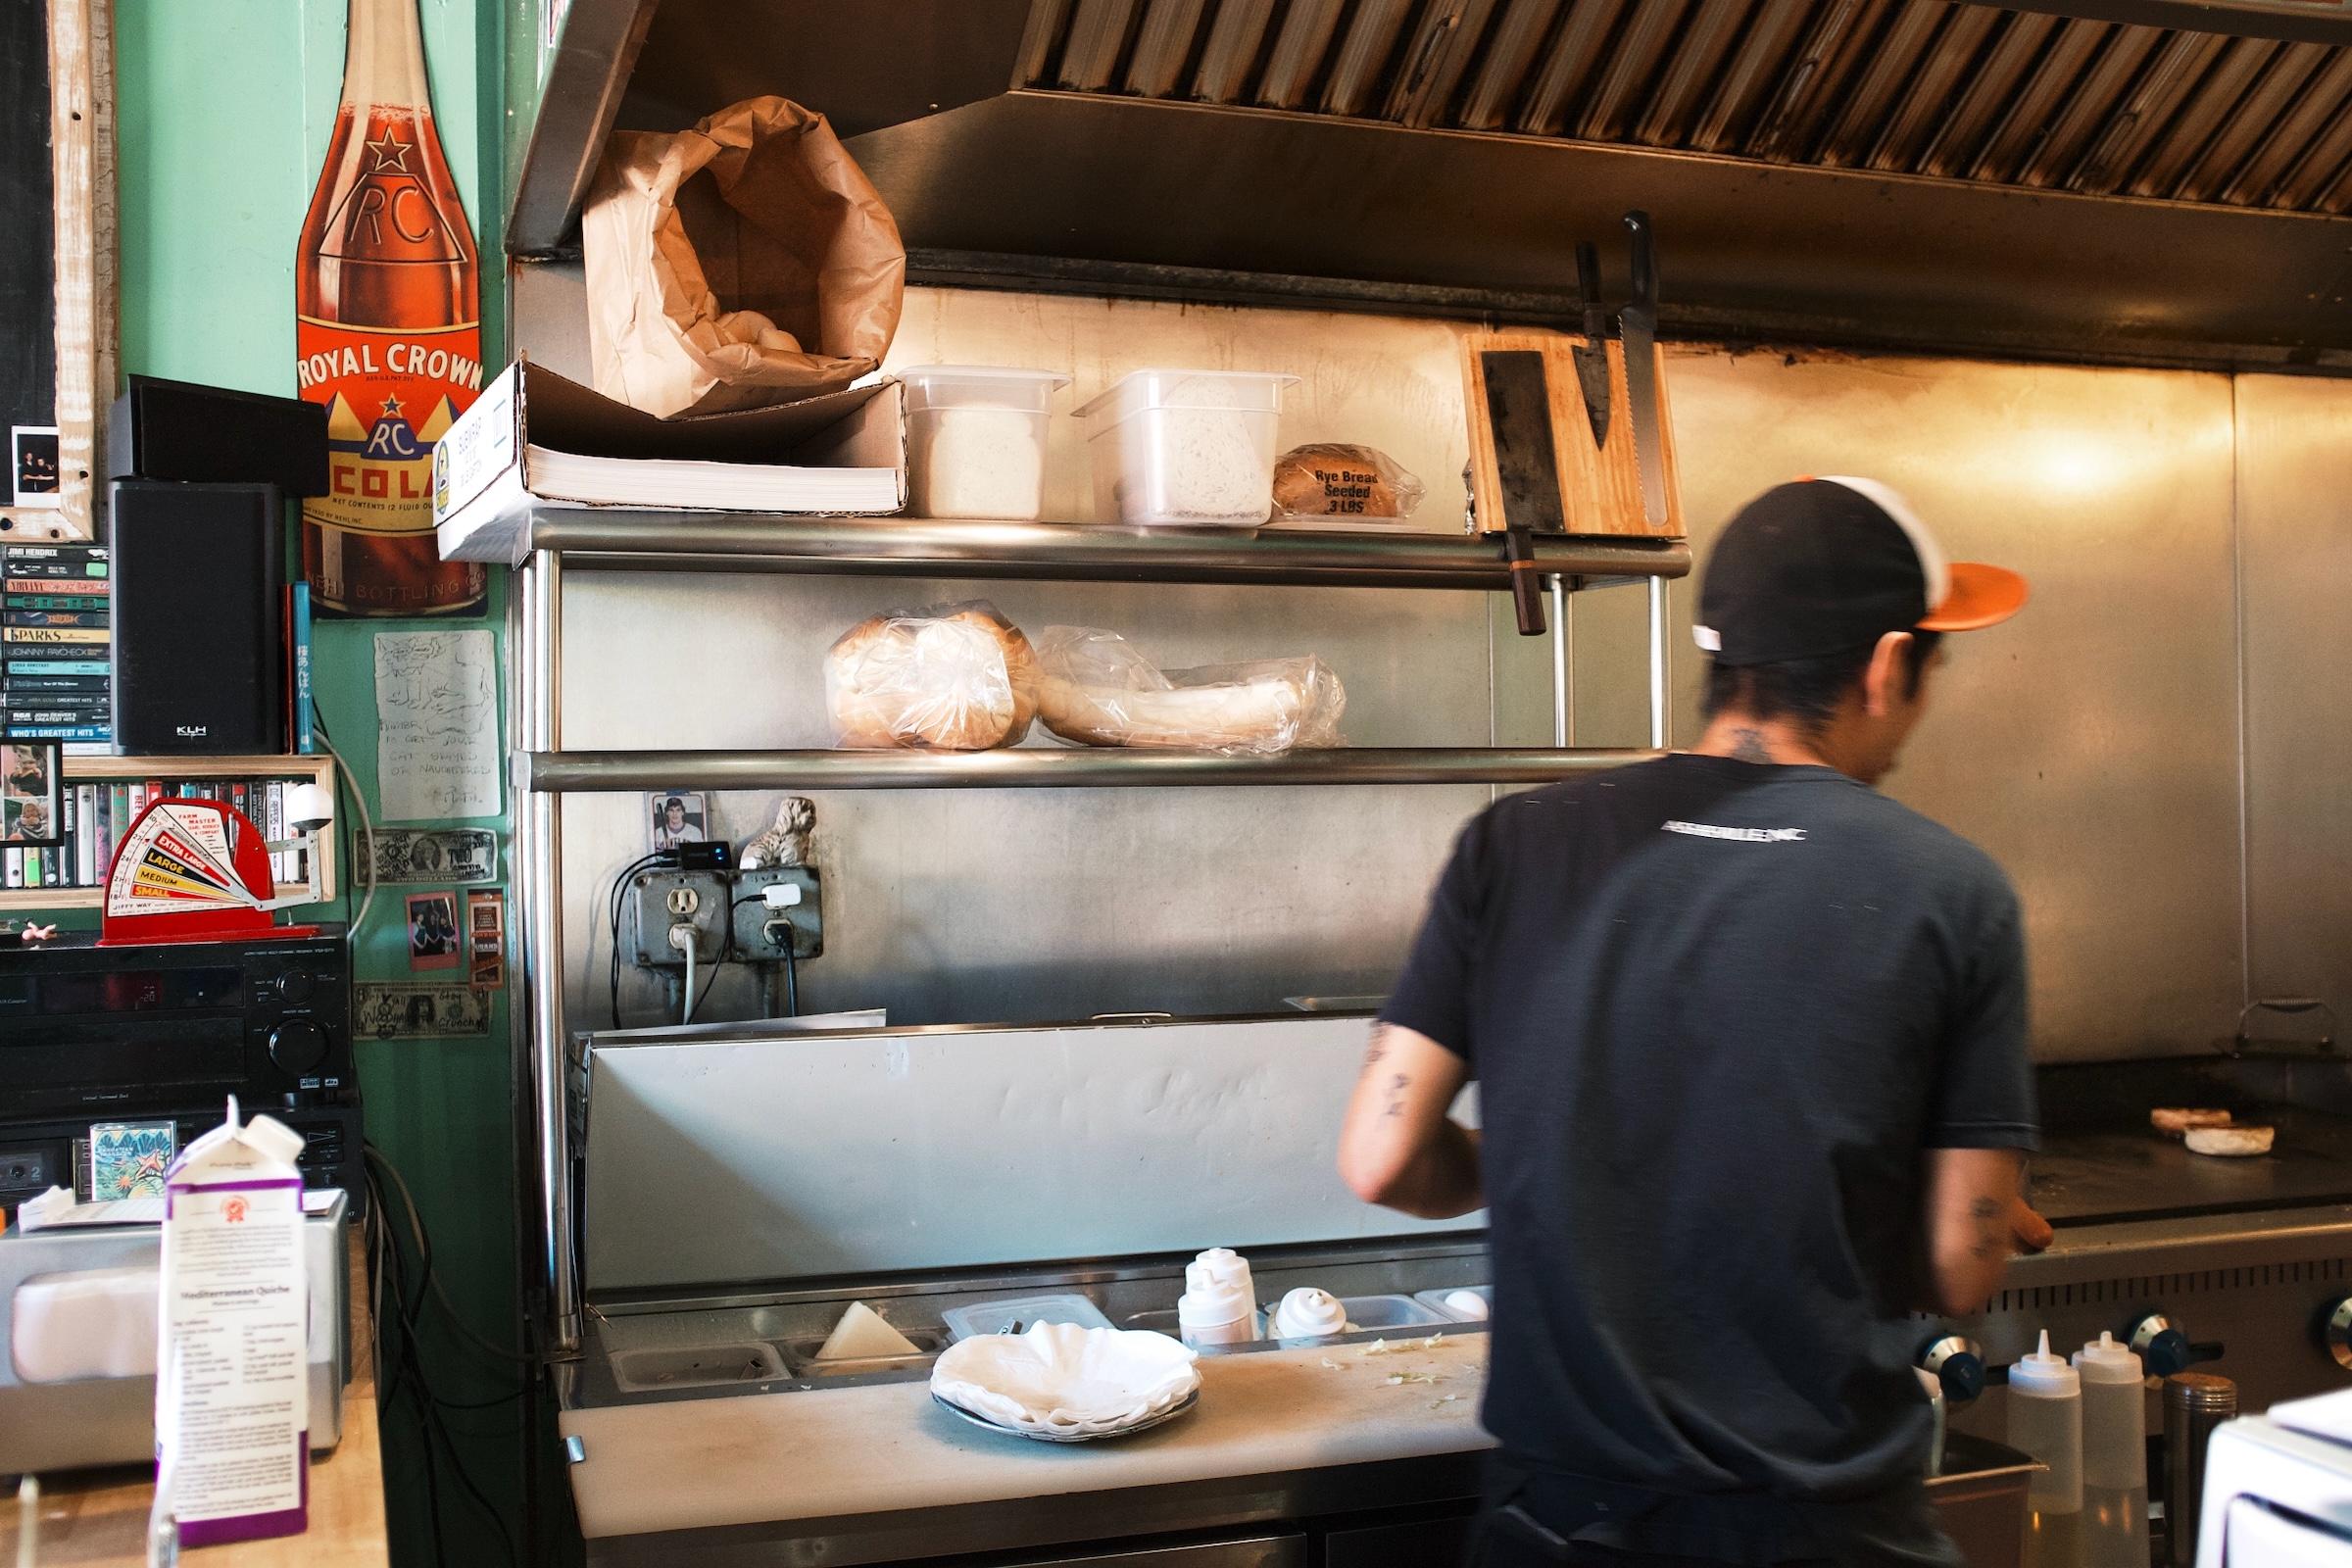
[2115, 1456]
[977, 440]
[1186, 447]
[1216, 1307]
[1307, 1313]
[2045, 1420]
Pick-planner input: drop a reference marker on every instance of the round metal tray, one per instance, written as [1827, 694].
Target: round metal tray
[1181, 1407]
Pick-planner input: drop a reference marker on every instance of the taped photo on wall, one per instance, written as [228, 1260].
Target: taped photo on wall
[31, 784]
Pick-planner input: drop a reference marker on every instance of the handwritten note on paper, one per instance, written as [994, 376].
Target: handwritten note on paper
[436, 713]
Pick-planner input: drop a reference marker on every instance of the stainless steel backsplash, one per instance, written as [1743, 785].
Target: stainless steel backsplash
[2168, 715]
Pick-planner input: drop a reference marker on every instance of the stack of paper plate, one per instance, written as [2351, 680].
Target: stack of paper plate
[1065, 1384]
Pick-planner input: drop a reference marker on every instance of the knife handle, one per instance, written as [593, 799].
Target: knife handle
[1646, 262]
[1527, 583]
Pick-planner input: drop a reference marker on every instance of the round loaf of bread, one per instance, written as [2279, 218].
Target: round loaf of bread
[2236, 1143]
[964, 680]
[2172, 1121]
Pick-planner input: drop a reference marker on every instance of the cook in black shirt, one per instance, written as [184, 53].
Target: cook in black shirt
[1750, 1046]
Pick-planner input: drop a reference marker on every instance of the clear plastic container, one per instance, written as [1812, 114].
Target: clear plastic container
[1186, 447]
[977, 440]
[1443, 1303]
[1369, 1312]
[1016, 1313]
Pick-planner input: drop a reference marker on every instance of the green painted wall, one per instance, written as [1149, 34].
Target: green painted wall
[223, 109]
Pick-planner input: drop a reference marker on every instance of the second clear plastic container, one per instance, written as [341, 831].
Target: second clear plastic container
[1186, 447]
[1016, 1313]
[977, 440]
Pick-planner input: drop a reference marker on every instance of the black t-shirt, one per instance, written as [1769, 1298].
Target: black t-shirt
[1716, 1011]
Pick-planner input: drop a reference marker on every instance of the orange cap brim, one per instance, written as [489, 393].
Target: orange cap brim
[1982, 596]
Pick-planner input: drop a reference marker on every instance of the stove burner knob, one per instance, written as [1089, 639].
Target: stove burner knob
[2338, 1331]
[1958, 1363]
[2161, 1345]
[297, 1045]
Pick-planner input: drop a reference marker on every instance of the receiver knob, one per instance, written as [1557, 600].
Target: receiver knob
[297, 986]
[2338, 1331]
[1958, 1363]
[298, 1046]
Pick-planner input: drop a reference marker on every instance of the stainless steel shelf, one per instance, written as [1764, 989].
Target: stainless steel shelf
[606, 540]
[1028, 768]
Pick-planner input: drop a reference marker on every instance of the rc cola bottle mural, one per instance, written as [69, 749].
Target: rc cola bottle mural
[388, 330]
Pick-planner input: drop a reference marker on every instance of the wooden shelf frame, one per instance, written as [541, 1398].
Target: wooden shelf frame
[316, 769]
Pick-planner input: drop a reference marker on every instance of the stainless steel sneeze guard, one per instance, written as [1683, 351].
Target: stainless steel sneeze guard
[610, 540]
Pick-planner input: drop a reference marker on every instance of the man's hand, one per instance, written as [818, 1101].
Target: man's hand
[2030, 1230]
[1397, 1147]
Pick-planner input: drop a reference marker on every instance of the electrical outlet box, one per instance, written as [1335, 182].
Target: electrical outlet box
[661, 900]
[755, 940]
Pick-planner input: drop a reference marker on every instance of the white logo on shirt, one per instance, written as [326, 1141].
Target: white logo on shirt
[1739, 835]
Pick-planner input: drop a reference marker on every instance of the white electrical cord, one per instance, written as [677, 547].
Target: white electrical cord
[686, 997]
[359, 798]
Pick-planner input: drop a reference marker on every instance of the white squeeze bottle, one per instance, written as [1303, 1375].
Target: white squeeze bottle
[2115, 1456]
[2045, 1420]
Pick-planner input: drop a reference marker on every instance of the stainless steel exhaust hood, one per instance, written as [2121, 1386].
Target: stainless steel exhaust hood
[2149, 182]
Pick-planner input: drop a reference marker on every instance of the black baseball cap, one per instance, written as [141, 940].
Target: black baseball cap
[1821, 566]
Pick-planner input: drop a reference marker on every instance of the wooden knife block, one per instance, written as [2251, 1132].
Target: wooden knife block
[1600, 487]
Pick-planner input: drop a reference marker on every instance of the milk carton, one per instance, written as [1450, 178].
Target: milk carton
[231, 1401]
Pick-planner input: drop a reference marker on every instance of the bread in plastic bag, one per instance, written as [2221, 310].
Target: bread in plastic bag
[1095, 689]
[1331, 479]
[953, 677]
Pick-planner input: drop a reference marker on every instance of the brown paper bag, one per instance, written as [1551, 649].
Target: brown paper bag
[777, 278]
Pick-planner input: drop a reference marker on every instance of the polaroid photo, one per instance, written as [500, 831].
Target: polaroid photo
[31, 792]
[435, 940]
[677, 817]
[32, 460]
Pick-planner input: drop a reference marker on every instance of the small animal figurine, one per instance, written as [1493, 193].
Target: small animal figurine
[786, 843]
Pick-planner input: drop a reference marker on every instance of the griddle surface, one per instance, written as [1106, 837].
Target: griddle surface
[2083, 1175]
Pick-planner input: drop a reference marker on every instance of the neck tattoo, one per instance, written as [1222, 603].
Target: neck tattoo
[1749, 746]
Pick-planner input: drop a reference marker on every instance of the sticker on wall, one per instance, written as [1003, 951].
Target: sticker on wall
[392, 1010]
[430, 855]
[486, 937]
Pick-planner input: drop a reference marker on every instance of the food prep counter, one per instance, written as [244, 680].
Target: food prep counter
[702, 1432]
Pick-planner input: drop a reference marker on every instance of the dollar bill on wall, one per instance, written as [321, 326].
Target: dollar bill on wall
[394, 1011]
[430, 855]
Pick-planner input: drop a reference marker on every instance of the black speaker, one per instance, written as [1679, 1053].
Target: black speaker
[198, 596]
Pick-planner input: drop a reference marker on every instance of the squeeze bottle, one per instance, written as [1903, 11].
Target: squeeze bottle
[2045, 1420]
[2115, 1456]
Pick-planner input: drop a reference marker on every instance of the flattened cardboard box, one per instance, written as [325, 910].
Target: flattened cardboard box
[485, 484]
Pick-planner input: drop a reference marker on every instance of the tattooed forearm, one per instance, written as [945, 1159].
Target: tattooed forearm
[1749, 746]
[1398, 1083]
[1379, 1047]
[1990, 1242]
